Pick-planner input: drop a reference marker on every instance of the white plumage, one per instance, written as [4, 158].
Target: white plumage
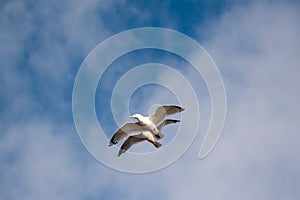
[148, 128]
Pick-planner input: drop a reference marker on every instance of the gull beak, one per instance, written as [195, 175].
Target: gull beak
[131, 117]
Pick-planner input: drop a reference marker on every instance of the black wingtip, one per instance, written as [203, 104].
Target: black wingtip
[172, 120]
[111, 142]
[159, 135]
[121, 151]
[179, 108]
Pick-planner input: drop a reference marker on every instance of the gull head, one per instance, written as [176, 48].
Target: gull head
[136, 116]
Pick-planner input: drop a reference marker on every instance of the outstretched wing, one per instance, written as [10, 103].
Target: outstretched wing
[134, 139]
[167, 122]
[131, 140]
[162, 111]
[123, 132]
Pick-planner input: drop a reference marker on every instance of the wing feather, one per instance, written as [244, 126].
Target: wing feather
[131, 140]
[162, 111]
[124, 131]
[167, 122]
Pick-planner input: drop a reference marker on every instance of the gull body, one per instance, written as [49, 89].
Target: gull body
[148, 128]
[147, 124]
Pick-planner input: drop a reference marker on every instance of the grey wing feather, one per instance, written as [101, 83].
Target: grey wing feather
[162, 111]
[131, 140]
[167, 122]
[123, 132]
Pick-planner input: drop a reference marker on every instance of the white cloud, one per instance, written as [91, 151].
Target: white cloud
[44, 160]
[38, 159]
[256, 47]
[257, 157]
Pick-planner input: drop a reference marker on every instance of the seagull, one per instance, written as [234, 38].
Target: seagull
[148, 127]
[145, 136]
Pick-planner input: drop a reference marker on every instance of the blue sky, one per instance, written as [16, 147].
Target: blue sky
[256, 46]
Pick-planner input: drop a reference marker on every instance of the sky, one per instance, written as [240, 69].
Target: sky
[255, 45]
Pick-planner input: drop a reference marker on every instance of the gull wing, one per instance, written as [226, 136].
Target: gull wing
[131, 140]
[124, 130]
[162, 111]
[167, 122]
[134, 139]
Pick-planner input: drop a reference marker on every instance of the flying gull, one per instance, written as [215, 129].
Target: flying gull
[144, 136]
[147, 127]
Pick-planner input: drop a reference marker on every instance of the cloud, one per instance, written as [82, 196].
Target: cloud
[40, 43]
[256, 48]
[43, 42]
[39, 160]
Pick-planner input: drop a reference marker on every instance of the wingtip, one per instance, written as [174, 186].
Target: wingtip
[112, 143]
[175, 120]
[180, 108]
[121, 151]
[159, 135]
[157, 144]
